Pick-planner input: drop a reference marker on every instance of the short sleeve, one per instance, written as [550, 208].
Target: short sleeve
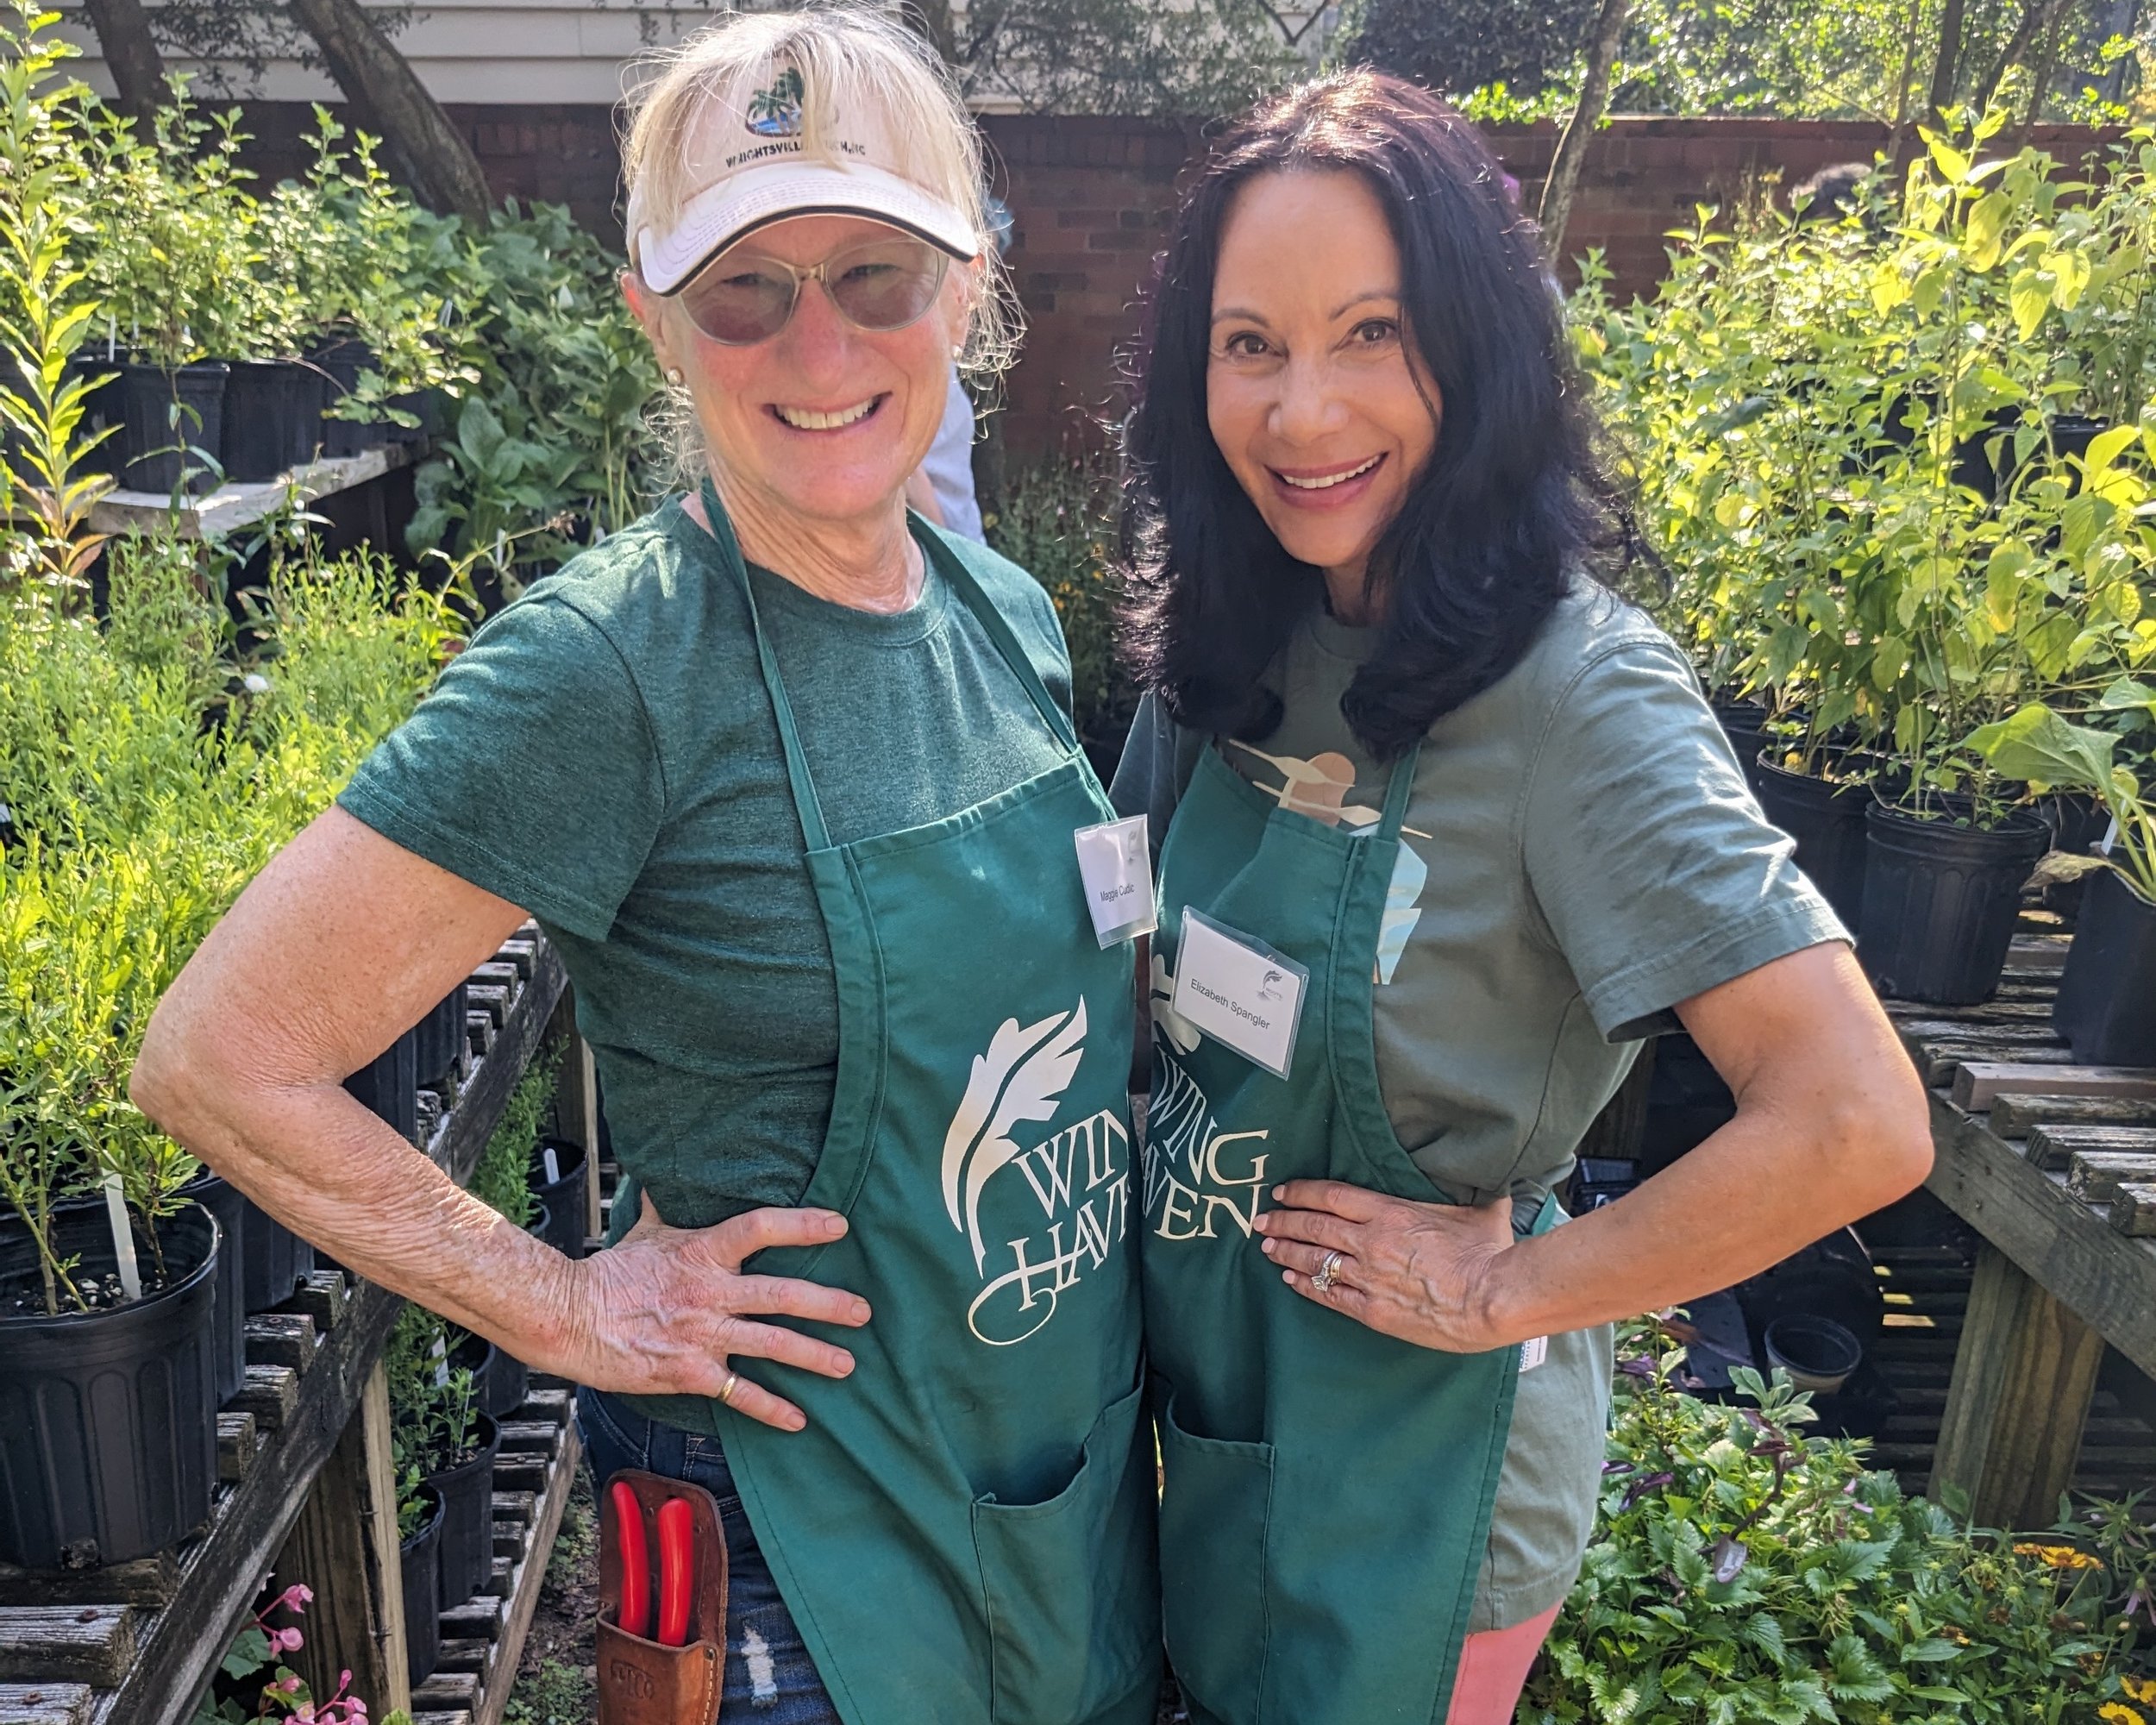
[1649, 859]
[530, 770]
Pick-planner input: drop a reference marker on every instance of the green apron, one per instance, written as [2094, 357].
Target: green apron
[1327, 1489]
[964, 1532]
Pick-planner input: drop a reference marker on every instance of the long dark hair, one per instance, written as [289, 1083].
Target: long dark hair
[1512, 500]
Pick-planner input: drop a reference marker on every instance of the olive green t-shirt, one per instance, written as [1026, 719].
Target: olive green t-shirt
[1580, 854]
[604, 754]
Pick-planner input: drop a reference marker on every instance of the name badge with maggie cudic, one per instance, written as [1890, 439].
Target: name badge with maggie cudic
[1239, 992]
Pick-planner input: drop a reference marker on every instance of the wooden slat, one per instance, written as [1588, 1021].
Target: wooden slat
[479, 1618]
[285, 1339]
[2023, 1378]
[146, 1581]
[2040, 953]
[2013, 1114]
[1978, 1082]
[90, 1644]
[236, 1439]
[45, 1704]
[2030, 1215]
[2095, 1176]
[2134, 1210]
[529, 1576]
[2006, 1035]
[2055, 1147]
[446, 1690]
[270, 1393]
[321, 1296]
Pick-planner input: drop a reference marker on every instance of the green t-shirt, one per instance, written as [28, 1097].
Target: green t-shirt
[1579, 854]
[604, 754]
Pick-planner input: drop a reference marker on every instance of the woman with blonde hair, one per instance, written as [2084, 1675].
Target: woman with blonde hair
[790, 779]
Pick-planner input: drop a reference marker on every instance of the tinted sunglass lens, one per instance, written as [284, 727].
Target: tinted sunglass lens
[887, 286]
[739, 301]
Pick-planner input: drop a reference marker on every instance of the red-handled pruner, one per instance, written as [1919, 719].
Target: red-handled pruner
[677, 1571]
[635, 1561]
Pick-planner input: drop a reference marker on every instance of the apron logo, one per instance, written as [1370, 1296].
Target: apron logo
[1194, 1172]
[1022, 1079]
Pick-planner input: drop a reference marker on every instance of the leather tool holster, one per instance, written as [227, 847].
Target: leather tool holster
[641, 1683]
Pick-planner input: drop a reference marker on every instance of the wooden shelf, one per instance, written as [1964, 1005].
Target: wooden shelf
[231, 507]
[182, 1609]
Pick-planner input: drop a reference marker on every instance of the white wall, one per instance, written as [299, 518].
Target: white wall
[489, 50]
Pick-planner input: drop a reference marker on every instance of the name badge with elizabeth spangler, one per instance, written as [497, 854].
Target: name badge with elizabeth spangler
[1116, 864]
[1239, 992]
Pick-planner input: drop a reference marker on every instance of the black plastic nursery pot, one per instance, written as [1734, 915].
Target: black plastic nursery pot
[1745, 724]
[2106, 1006]
[438, 1038]
[275, 1258]
[467, 1517]
[1827, 818]
[166, 416]
[420, 1561]
[389, 1085]
[109, 1419]
[498, 1379]
[563, 1195]
[1939, 902]
[341, 361]
[272, 417]
[1818, 1353]
[229, 1204]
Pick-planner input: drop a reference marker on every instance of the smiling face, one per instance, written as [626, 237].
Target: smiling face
[824, 421]
[1314, 396]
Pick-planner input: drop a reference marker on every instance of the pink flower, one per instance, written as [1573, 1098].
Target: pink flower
[290, 1684]
[286, 1641]
[297, 1597]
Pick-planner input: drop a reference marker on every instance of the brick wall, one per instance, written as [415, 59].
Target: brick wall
[1093, 197]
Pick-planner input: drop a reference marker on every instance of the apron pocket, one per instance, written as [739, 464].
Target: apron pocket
[1069, 1633]
[1215, 1506]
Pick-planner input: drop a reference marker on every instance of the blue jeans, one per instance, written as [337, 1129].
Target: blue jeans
[769, 1675]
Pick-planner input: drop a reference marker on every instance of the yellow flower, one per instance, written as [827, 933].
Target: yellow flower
[2140, 1689]
[2056, 1557]
[2119, 1713]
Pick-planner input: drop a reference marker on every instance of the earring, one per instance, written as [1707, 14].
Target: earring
[675, 374]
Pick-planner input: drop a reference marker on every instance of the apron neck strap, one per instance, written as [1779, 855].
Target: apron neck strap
[805, 804]
[1399, 791]
[954, 571]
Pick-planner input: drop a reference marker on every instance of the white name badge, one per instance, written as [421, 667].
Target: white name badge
[1239, 992]
[1532, 1353]
[1116, 864]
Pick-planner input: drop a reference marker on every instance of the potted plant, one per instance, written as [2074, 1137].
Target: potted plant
[441, 1431]
[557, 1177]
[419, 1512]
[2106, 1005]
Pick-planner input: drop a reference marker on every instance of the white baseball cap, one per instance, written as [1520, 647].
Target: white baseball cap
[747, 150]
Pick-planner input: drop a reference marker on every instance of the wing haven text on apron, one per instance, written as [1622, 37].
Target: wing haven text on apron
[1327, 1489]
[964, 1532]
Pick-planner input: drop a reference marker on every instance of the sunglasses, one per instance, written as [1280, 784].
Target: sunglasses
[742, 297]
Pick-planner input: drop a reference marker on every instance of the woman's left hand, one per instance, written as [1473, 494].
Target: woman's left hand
[1418, 1271]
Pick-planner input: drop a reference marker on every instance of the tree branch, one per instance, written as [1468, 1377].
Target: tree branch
[131, 54]
[1556, 208]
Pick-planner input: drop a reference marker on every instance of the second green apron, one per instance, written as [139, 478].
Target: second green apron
[964, 1532]
[1327, 1489]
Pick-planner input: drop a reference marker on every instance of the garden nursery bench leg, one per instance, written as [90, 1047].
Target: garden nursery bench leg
[2024, 1374]
[344, 1547]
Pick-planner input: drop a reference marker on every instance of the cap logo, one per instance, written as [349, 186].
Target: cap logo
[776, 112]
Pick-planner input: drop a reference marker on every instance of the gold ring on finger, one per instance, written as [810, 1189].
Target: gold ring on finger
[726, 1390]
[1328, 1273]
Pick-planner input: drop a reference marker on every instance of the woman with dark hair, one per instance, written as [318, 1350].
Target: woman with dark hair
[1449, 830]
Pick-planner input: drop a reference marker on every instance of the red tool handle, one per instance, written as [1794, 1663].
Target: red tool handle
[635, 1560]
[677, 1571]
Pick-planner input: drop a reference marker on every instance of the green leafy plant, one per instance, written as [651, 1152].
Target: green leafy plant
[503, 1176]
[254, 1666]
[434, 1407]
[1057, 521]
[1742, 1571]
[2051, 753]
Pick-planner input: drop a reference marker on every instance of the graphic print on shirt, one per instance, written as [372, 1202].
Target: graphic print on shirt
[1320, 788]
[1078, 1178]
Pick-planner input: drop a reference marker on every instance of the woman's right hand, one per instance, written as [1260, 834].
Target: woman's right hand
[667, 1311]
